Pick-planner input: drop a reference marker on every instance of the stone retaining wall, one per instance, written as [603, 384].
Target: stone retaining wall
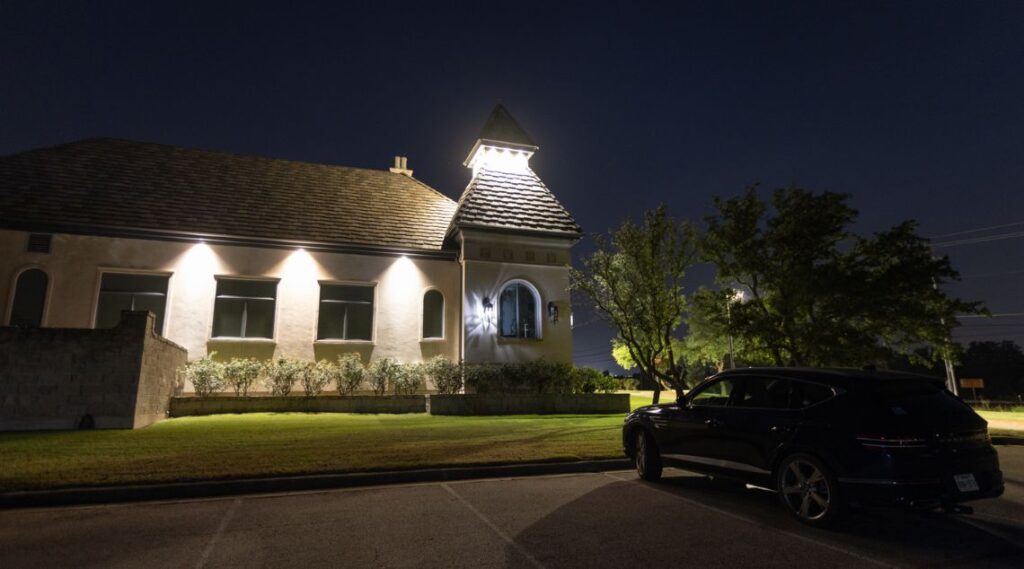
[52, 378]
[497, 404]
[186, 406]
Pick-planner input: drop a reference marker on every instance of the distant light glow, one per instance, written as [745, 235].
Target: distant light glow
[501, 159]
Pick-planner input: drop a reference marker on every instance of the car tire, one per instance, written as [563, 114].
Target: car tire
[646, 457]
[809, 490]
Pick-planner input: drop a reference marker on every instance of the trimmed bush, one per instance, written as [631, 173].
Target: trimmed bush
[589, 380]
[351, 373]
[241, 374]
[316, 377]
[206, 375]
[446, 375]
[382, 374]
[281, 376]
[409, 379]
[520, 378]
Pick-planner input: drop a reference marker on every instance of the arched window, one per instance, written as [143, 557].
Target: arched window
[29, 299]
[518, 315]
[433, 315]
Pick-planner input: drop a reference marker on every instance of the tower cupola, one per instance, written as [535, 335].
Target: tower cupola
[503, 145]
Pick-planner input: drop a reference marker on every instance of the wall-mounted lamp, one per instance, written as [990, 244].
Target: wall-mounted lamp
[488, 308]
[553, 311]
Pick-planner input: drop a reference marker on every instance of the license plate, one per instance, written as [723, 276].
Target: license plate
[966, 482]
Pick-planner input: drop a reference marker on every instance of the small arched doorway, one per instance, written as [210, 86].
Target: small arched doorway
[29, 299]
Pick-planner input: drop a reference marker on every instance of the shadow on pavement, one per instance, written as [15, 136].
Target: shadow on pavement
[675, 524]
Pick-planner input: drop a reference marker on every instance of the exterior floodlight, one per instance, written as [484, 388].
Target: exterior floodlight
[553, 311]
[488, 307]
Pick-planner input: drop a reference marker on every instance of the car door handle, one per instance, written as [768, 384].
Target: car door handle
[713, 422]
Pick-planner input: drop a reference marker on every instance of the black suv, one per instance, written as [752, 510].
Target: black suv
[823, 439]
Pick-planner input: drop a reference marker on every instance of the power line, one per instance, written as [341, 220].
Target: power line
[999, 274]
[997, 315]
[978, 230]
[983, 239]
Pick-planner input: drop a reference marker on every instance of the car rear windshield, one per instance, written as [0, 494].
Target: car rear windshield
[901, 389]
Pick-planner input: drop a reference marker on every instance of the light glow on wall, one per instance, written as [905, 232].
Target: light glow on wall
[300, 267]
[500, 159]
[197, 267]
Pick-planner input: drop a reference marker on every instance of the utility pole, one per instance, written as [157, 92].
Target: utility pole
[946, 356]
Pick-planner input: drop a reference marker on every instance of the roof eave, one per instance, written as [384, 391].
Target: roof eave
[573, 236]
[234, 240]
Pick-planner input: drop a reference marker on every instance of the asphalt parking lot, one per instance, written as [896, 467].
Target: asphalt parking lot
[580, 520]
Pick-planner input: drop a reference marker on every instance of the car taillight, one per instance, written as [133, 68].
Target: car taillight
[967, 438]
[882, 442]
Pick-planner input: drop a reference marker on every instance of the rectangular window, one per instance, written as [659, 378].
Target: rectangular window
[244, 308]
[123, 291]
[346, 312]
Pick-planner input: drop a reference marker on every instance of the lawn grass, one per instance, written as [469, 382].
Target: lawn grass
[271, 444]
[1001, 415]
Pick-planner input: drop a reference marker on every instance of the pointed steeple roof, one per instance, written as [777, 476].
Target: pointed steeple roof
[505, 195]
[501, 127]
[502, 131]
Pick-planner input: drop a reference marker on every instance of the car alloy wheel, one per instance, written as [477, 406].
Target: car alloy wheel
[646, 458]
[808, 490]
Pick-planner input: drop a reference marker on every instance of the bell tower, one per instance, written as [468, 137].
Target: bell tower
[514, 240]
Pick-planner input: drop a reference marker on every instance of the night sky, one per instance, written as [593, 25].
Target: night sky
[914, 108]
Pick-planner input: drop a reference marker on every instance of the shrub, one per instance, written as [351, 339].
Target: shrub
[409, 379]
[205, 374]
[532, 377]
[315, 377]
[382, 374]
[589, 380]
[241, 374]
[446, 375]
[351, 373]
[281, 376]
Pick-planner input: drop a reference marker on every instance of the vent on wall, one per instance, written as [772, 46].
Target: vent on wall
[39, 242]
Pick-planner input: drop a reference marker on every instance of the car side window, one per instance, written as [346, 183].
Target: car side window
[764, 393]
[805, 394]
[714, 394]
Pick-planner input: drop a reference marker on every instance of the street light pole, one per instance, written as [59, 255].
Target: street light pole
[736, 296]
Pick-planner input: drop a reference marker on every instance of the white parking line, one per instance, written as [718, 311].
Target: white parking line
[736, 516]
[216, 535]
[493, 527]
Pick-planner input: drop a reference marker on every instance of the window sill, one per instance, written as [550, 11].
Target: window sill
[224, 340]
[431, 340]
[504, 340]
[329, 341]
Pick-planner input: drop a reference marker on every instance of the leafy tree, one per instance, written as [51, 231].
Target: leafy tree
[818, 294]
[708, 348]
[634, 279]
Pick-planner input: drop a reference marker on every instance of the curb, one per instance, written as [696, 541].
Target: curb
[212, 489]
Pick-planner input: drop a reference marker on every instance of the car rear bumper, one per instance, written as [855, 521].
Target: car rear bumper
[928, 492]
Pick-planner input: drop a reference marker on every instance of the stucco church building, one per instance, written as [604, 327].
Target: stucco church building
[253, 256]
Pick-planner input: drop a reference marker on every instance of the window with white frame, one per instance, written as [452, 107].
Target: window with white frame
[131, 291]
[518, 315]
[433, 315]
[346, 312]
[244, 308]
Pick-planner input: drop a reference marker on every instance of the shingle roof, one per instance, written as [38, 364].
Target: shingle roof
[518, 201]
[113, 183]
